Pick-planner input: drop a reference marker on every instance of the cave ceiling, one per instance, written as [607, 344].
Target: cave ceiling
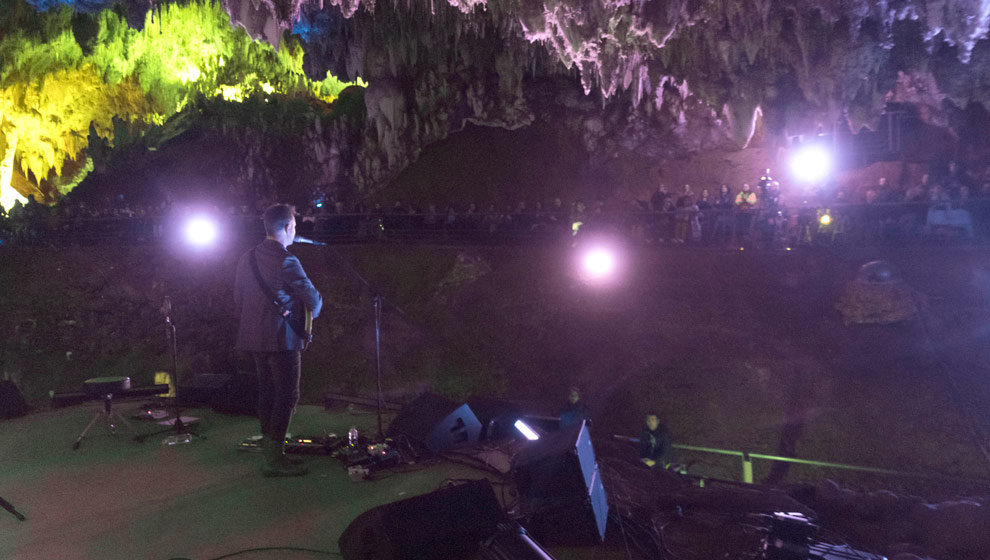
[830, 56]
[626, 75]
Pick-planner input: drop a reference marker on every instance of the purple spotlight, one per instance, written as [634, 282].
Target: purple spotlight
[201, 231]
[599, 263]
[811, 164]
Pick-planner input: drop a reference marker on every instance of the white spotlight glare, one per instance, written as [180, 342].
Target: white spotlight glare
[201, 231]
[530, 434]
[811, 164]
[599, 263]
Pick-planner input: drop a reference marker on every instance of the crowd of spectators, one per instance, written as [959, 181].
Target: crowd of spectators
[749, 214]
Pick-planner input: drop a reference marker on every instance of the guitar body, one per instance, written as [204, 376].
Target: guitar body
[308, 328]
[301, 323]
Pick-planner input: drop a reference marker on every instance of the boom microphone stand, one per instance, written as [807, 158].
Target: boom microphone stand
[182, 433]
[377, 302]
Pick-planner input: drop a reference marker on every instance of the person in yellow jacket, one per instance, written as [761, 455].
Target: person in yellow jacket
[745, 204]
[746, 198]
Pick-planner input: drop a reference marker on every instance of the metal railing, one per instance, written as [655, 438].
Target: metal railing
[747, 458]
[806, 225]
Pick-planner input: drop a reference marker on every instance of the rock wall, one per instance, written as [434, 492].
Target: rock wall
[658, 78]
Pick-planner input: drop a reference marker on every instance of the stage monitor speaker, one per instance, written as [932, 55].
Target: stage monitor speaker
[497, 418]
[446, 524]
[437, 423]
[512, 542]
[561, 487]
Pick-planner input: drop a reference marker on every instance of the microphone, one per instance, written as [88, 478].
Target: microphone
[306, 241]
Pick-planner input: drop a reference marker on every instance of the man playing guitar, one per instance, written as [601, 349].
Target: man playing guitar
[277, 302]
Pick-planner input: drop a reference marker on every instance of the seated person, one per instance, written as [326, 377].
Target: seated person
[655, 444]
[574, 412]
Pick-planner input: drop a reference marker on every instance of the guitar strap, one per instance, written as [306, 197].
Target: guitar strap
[271, 297]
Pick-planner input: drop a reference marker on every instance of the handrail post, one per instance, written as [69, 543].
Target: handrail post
[747, 468]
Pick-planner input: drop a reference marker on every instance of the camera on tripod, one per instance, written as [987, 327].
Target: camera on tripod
[769, 191]
[765, 181]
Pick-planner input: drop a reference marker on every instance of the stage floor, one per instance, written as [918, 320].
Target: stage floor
[114, 498]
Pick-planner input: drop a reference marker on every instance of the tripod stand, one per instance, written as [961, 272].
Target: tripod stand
[180, 433]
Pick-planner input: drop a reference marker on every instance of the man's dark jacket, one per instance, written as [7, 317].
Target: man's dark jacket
[262, 327]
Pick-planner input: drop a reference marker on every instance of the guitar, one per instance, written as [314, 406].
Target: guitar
[301, 324]
[308, 328]
[302, 327]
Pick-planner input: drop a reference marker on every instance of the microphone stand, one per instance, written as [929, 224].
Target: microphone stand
[377, 301]
[182, 433]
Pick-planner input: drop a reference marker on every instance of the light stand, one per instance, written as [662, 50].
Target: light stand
[181, 433]
[377, 303]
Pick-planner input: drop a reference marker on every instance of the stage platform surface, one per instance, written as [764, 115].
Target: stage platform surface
[114, 498]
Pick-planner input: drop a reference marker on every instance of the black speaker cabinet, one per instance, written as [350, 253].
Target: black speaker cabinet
[449, 523]
[561, 488]
[436, 423]
[497, 418]
[238, 396]
[229, 394]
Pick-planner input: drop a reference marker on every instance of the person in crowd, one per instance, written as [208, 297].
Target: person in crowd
[724, 198]
[472, 218]
[655, 443]
[705, 204]
[665, 220]
[557, 216]
[431, 221]
[658, 198]
[450, 221]
[577, 217]
[954, 179]
[490, 221]
[574, 410]
[541, 218]
[274, 297]
[771, 213]
[883, 190]
[745, 204]
[686, 219]
[687, 193]
[705, 201]
[938, 193]
[722, 207]
[745, 198]
[918, 191]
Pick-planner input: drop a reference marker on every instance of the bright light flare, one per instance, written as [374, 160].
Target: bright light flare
[201, 231]
[825, 220]
[811, 164]
[599, 263]
[525, 430]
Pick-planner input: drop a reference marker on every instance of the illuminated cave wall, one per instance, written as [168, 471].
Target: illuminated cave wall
[651, 79]
[666, 76]
[68, 75]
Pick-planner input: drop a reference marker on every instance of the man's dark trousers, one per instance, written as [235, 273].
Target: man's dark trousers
[278, 390]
